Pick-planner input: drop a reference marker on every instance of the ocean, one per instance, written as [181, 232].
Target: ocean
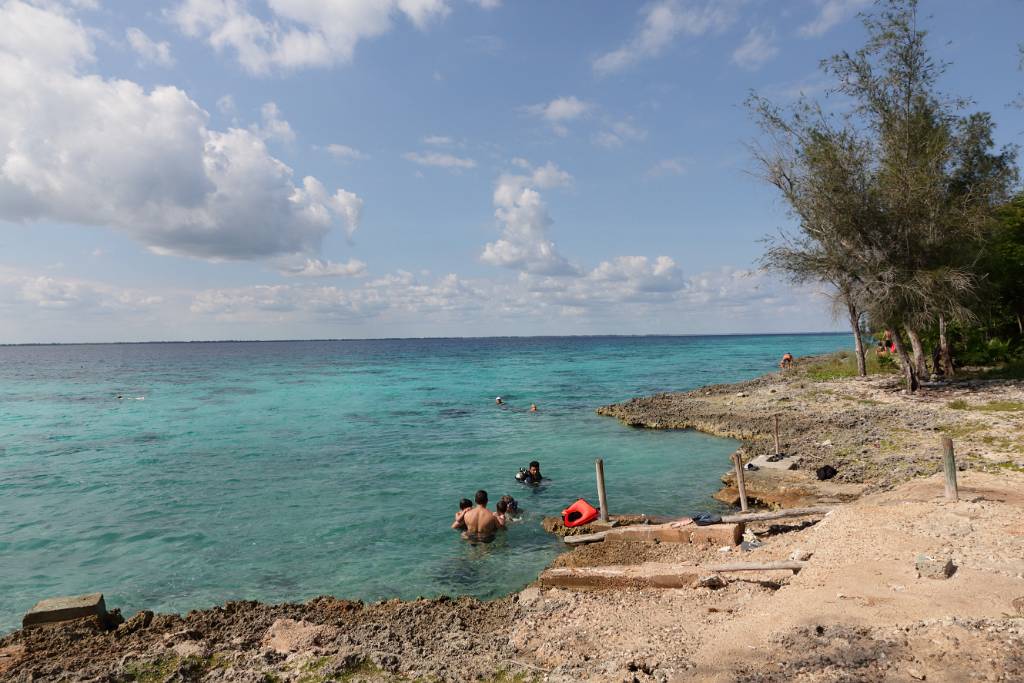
[278, 471]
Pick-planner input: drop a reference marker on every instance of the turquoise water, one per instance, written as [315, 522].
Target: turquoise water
[284, 470]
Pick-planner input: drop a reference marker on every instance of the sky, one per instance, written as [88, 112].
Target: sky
[285, 169]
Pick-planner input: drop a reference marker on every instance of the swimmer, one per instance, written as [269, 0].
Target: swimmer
[531, 476]
[511, 506]
[498, 401]
[502, 511]
[464, 506]
[481, 523]
[533, 407]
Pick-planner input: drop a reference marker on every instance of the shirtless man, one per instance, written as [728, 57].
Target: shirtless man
[481, 523]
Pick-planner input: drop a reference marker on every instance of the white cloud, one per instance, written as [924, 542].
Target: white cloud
[524, 244]
[559, 111]
[618, 133]
[273, 127]
[831, 14]
[325, 268]
[298, 33]
[449, 161]
[756, 50]
[663, 22]
[47, 293]
[346, 153]
[437, 140]
[675, 166]
[149, 51]
[488, 4]
[226, 105]
[79, 148]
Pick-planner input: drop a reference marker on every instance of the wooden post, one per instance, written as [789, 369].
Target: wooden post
[740, 483]
[949, 464]
[775, 431]
[601, 497]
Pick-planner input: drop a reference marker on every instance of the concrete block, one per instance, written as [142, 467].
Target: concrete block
[648, 574]
[65, 608]
[650, 533]
[934, 567]
[717, 534]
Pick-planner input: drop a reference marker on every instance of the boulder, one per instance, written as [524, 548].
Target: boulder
[65, 608]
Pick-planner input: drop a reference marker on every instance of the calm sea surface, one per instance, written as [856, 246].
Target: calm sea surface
[284, 470]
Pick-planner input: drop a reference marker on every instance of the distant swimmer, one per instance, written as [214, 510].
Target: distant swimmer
[481, 523]
[533, 407]
[498, 401]
[464, 506]
[531, 476]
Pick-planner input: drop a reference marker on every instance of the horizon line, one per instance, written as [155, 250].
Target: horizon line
[439, 338]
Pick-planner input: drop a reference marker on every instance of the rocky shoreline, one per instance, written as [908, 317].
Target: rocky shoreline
[861, 610]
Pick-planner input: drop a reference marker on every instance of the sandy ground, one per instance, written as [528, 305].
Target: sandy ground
[858, 611]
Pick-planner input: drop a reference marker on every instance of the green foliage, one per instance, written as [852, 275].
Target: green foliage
[958, 404]
[842, 364]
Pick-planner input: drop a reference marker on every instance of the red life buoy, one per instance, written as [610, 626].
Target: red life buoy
[579, 513]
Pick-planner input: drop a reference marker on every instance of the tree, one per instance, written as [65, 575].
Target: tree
[937, 180]
[823, 173]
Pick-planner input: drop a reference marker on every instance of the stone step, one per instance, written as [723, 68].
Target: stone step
[65, 608]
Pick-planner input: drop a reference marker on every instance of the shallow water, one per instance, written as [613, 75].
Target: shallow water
[283, 470]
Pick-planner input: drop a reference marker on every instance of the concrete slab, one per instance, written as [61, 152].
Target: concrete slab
[64, 608]
[717, 534]
[648, 574]
[650, 533]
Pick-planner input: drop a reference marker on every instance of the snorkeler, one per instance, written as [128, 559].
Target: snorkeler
[530, 476]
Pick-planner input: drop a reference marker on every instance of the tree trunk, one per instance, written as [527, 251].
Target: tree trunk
[858, 342]
[908, 368]
[947, 357]
[920, 364]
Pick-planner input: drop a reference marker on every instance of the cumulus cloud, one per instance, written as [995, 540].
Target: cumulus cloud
[273, 126]
[662, 22]
[524, 244]
[346, 153]
[79, 148]
[47, 293]
[618, 133]
[831, 14]
[559, 111]
[298, 33]
[756, 50]
[325, 268]
[631, 290]
[449, 161]
[148, 50]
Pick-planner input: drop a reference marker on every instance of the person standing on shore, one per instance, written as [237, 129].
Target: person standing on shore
[481, 523]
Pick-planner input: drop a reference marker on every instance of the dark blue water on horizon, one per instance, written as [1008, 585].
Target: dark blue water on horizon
[283, 470]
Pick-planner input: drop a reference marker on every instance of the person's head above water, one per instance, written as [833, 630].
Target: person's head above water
[502, 506]
[465, 504]
[481, 497]
[534, 467]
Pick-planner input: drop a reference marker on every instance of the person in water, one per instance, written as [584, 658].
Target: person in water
[501, 512]
[498, 401]
[533, 475]
[464, 506]
[787, 360]
[511, 506]
[481, 523]
[533, 407]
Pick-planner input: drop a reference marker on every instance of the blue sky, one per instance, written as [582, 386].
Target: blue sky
[368, 168]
